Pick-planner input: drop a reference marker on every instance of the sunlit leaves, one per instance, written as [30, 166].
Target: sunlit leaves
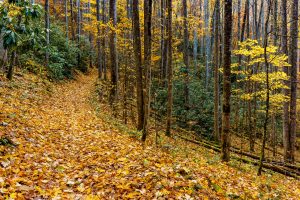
[252, 71]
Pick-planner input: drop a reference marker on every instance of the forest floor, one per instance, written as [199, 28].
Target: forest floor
[64, 150]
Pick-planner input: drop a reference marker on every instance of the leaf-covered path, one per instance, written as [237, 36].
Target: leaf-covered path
[66, 152]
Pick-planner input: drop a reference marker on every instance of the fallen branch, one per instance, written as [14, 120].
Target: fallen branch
[285, 170]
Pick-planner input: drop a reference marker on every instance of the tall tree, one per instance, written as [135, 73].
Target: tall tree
[226, 80]
[72, 19]
[216, 71]
[170, 68]
[284, 49]
[186, 53]
[293, 58]
[99, 66]
[147, 62]
[103, 41]
[113, 52]
[207, 42]
[66, 21]
[78, 31]
[163, 43]
[138, 63]
[47, 27]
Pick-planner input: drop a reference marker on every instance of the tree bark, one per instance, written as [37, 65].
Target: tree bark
[186, 54]
[72, 19]
[47, 27]
[147, 54]
[226, 81]
[207, 43]
[138, 64]
[289, 152]
[170, 68]
[103, 41]
[99, 65]
[113, 53]
[216, 71]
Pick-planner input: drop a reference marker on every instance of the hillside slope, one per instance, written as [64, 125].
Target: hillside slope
[64, 151]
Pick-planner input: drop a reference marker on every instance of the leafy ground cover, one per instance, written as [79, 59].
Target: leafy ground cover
[65, 150]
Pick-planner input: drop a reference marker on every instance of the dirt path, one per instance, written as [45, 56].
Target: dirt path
[66, 152]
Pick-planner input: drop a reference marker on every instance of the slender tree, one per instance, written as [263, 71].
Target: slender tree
[138, 64]
[289, 153]
[113, 52]
[99, 65]
[103, 41]
[47, 27]
[186, 53]
[216, 71]
[147, 62]
[170, 68]
[226, 80]
[264, 139]
[284, 49]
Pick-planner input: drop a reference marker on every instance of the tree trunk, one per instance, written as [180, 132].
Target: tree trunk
[284, 49]
[78, 31]
[216, 71]
[99, 65]
[10, 72]
[186, 54]
[226, 80]
[289, 152]
[164, 44]
[207, 43]
[103, 41]
[67, 22]
[170, 69]
[147, 54]
[72, 19]
[47, 27]
[113, 53]
[138, 64]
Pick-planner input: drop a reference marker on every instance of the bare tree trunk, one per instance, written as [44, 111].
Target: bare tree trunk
[67, 22]
[11, 68]
[147, 53]
[99, 65]
[170, 68]
[90, 36]
[138, 64]
[226, 80]
[207, 43]
[185, 54]
[78, 31]
[289, 153]
[216, 71]
[113, 53]
[284, 49]
[103, 41]
[47, 27]
[72, 19]
[164, 44]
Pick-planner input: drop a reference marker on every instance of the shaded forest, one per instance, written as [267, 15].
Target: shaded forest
[174, 76]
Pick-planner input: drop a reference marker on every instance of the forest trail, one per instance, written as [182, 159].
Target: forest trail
[66, 152]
